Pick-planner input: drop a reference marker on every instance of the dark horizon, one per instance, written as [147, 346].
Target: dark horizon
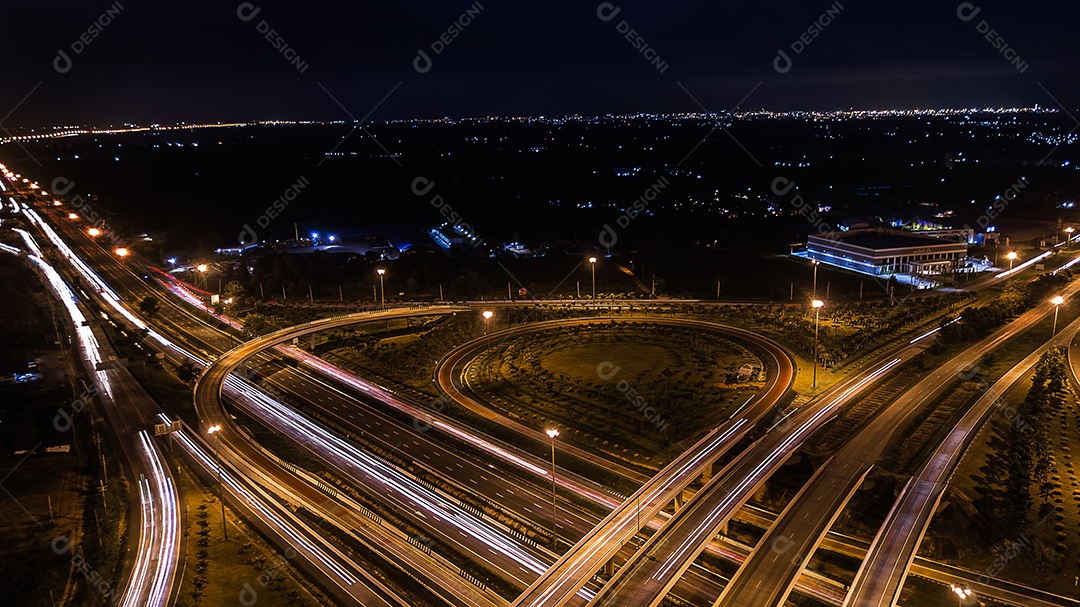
[110, 63]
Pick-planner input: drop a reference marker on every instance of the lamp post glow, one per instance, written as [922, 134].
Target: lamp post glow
[202, 268]
[553, 433]
[815, 263]
[1068, 239]
[487, 316]
[962, 592]
[122, 252]
[213, 431]
[94, 232]
[817, 305]
[592, 262]
[382, 287]
[1057, 301]
[1011, 256]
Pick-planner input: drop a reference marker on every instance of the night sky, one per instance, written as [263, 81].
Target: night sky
[199, 61]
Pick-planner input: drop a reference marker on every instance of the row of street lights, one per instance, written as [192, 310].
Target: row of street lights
[817, 304]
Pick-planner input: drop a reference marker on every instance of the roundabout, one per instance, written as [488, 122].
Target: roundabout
[630, 389]
[455, 375]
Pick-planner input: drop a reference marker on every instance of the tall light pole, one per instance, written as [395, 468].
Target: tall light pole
[213, 431]
[202, 268]
[962, 592]
[1011, 256]
[382, 287]
[553, 433]
[1068, 237]
[592, 262]
[817, 304]
[487, 316]
[1057, 301]
[815, 263]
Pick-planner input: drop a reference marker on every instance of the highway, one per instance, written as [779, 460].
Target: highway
[437, 514]
[372, 424]
[882, 573]
[559, 584]
[150, 574]
[280, 418]
[314, 362]
[419, 567]
[148, 568]
[253, 347]
[769, 574]
[648, 577]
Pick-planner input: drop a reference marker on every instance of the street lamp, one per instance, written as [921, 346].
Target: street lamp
[553, 433]
[382, 287]
[202, 268]
[1057, 301]
[213, 431]
[122, 252]
[962, 592]
[817, 305]
[1068, 239]
[94, 232]
[592, 263]
[1011, 256]
[487, 316]
[815, 263]
[73, 216]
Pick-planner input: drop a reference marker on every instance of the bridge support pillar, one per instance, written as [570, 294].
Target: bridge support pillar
[609, 568]
[678, 502]
[706, 475]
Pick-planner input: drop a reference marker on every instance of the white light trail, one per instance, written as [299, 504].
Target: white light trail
[152, 574]
[1027, 263]
[268, 515]
[329, 446]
